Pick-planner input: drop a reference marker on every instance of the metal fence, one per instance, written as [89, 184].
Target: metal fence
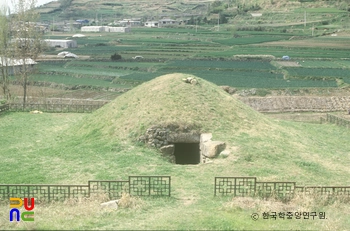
[54, 108]
[337, 120]
[135, 186]
[249, 186]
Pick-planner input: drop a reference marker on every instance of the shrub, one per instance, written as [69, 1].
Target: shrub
[116, 57]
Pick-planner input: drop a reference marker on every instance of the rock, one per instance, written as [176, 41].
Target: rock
[212, 149]
[205, 137]
[224, 153]
[229, 89]
[183, 138]
[142, 139]
[208, 161]
[110, 204]
[190, 80]
[168, 149]
[36, 112]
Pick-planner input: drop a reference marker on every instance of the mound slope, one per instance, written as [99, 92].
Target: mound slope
[167, 100]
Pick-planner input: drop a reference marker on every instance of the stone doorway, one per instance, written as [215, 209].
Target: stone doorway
[187, 153]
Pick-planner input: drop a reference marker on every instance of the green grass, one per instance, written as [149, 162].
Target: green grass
[326, 64]
[250, 40]
[319, 10]
[320, 73]
[242, 74]
[53, 150]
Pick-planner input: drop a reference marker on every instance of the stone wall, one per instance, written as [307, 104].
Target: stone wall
[158, 136]
[165, 138]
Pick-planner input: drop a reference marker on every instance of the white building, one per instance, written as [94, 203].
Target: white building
[15, 65]
[161, 23]
[105, 29]
[152, 24]
[61, 43]
[119, 29]
[92, 29]
[129, 23]
[167, 21]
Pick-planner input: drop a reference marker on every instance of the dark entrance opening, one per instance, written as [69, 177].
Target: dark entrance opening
[187, 153]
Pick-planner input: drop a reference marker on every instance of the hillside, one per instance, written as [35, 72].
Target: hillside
[108, 10]
[167, 100]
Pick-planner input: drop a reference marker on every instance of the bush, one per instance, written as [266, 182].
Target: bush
[116, 57]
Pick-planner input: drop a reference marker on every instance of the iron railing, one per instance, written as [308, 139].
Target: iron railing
[249, 186]
[135, 186]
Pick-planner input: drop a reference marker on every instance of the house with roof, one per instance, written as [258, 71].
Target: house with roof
[161, 23]
[129, 23]
[15, 66]
[152, 24]
[61, 43]
[167, 22]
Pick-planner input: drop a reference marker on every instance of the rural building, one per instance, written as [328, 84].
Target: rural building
[119, 29]
[61, 43]
[152, 24]
[16, 65]
[92, 29]
[82, 21]
[161, 23]
[129, 23]
[167, 22]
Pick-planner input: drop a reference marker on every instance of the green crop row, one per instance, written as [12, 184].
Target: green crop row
[250, 40]
[249, 65]
[319, 72]
[326, 64]
[251, 79]
[70, 80]
[279, 52]
[70, 69]
[258, 80]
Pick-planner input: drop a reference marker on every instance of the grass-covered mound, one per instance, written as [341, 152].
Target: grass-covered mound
[68, 148]
[167, 100]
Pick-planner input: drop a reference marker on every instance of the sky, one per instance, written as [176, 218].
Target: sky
[8, 2]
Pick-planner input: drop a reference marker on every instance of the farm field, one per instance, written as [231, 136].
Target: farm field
[211, 55]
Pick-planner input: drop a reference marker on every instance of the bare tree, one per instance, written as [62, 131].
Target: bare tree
[4, 53]
[27, 42]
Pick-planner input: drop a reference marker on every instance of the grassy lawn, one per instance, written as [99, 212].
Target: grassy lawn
[49, 155]
[75, 148]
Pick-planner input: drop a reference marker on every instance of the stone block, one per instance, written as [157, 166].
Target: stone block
[183, 138]
[212, 149]
[168, 149]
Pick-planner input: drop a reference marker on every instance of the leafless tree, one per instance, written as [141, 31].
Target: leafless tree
[26, 40]
[4, 53]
